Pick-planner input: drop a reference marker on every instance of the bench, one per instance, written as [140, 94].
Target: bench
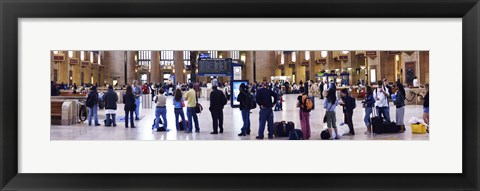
[56, 111]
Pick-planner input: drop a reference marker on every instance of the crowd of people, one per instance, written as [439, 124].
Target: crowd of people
[267, 96]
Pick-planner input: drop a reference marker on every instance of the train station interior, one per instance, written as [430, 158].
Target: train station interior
[75, 72]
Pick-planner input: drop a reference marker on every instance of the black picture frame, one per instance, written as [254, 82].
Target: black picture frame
[12, 10]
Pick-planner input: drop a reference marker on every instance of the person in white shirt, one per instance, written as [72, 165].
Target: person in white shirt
[381, 101]
[415, 82]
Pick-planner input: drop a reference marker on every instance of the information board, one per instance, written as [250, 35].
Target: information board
[215, 67]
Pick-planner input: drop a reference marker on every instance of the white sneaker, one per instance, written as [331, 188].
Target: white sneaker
[154, 129]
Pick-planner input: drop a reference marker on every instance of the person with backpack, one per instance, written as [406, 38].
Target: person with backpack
[306, 105]
[217, 101]
[130, 106]
[348, 106]
[160, 110]
[368, 104]
[247, 102]
[191, 98]
[381, 101]
[178, 105]
[400, 105]
[110, 98]
[330, 105]
[92, 105]
[264, 100]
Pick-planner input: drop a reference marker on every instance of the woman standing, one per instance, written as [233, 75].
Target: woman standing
[330, 105]
[400, 105]
[368, 104]
[130, 106]
[178, 108]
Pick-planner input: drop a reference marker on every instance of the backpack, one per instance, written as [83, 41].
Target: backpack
[250, 101]
[90, 100]
[307, 104]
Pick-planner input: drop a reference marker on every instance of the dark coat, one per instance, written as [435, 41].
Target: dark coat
[242, 98]
[110, 98]
[217, 100]
[129, 101]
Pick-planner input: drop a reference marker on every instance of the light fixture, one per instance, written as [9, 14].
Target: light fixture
[242, 58]
[184, 71]
[307, 55]
[349, 69]
[324, 54]
[70, 54]
[135, 58]
[55, 52]
[337, 69]
[82, 55]
[362, 67]
[344, 52]
[294, 57]
[282, 58]
[327, 71]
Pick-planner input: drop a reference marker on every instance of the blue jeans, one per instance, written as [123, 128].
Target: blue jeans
[131, 118]
[192, 114]
[385, 112]
[246, 121]
[110, 121]
[366, 119]
[137, 110]
[179, 112]
[266, 114]
[163, 112]
[92, 111]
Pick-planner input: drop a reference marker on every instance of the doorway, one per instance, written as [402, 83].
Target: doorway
[410, 72]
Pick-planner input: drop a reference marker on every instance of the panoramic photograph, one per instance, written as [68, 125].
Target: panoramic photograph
[236, 95]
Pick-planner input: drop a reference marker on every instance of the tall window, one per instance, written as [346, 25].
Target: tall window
[186, 58]
[213, 54]
[235, 55]
[144, 58]
[166, 58]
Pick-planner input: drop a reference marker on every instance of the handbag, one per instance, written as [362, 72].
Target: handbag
[183, 104]
[325, 117]
[198, 107]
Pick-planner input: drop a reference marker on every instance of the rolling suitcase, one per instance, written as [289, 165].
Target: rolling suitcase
[378, 126]
[282, 129]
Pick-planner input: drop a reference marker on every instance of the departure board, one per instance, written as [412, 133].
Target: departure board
[215, 67]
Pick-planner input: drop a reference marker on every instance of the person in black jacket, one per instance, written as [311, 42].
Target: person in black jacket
[129, 101]
[92, 109]
[321, 89]
[110, 98]
[217, 101]
[348, 106]
[245, 109]
[264, 100]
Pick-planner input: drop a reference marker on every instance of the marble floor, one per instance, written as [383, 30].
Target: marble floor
[232, 124]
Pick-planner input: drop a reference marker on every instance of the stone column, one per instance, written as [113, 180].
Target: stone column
[424, 65]
[131, 66]
[313, 67]
[299, 69]
[265, 65]
[63, 70]
[95, 75]
[77, 69]
[114, 63]
[249, 66]
[179, 66]
[155, 75]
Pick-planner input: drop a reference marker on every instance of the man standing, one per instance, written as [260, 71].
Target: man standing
[264, 100]
[321, 89]
[191, 99]
[381, 96]
[217, 101]
[137, 92]
[110, 98]
[348, 106]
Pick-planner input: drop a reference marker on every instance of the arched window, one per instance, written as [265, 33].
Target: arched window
[166, 59]
[144, 58]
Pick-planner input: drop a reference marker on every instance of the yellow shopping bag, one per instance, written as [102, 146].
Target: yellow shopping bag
[419, 129]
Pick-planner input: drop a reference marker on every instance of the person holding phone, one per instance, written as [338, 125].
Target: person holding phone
[381, 101]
